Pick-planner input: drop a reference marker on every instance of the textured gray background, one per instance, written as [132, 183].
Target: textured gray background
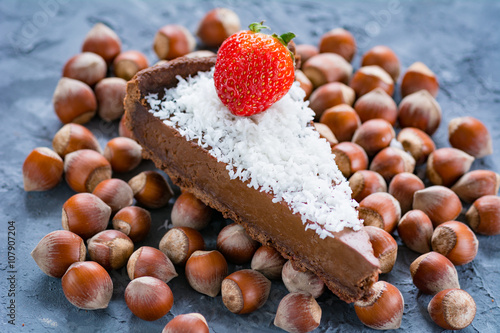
[458, 40]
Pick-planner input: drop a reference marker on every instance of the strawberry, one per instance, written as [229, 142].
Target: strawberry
[253, 70]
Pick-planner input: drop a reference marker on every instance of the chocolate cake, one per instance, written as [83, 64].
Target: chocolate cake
[342, 258]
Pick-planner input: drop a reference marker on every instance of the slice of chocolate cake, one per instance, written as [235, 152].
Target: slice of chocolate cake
[270, 172]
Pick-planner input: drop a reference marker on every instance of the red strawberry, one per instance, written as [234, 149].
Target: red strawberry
[253, 70]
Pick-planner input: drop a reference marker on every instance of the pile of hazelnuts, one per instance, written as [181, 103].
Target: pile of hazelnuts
[358, 134]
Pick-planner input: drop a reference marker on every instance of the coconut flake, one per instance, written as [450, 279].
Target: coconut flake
[276, 151]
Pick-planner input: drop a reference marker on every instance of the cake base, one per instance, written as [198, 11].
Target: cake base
[345, 262]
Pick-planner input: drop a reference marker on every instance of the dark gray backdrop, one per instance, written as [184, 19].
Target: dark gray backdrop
[458, 40]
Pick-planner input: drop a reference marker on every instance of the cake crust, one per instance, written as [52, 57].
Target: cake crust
[345, 262]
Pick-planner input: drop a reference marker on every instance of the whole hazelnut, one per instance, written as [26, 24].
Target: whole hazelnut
[329, 95]
[151, 189]
[42, 170]
[365, 182]
[148, 261]
[87, 285]
[475, 184]
[432, 272]
[420, 110]
[110, 93]
[110, 248]
[217, 25]
[84, 169]
[452, 309]
[72, 137]
[374, 135]
[417, 143]
[189, 211]
[376, 104]
[446, 165]
[298, 312]
[342, 120]
[415, 230]
[438, 202]
[369, 78]
[133, 221]
[87, 67]
[115, 192]
[179, 243]
[268, 261]
[187, 323]
[245, 291]
[172, 41]
[123, 154]
[102, 41]
[57, 251]
[74, 101]
[339, 41]
[85, 215]
[235, 244]
[149, 298]
[417, 77]
[301, 280]
[483, 215]
[470, 135]
[128, 63]
[403, 186]
[205, 271]
[327, 67]
[381, 210]
[456, 241]
[390, 162]
[350, 158]
[384, 57]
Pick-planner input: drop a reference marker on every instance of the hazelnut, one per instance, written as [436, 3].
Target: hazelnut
[188, 211]
[381, 210]
[306, 51]
[116, 193]
[403, 186]
[483, 215]
[455, 241]
[187, 323]
[172, 41]
[57, 251]
[390, 162]
[350, 158]
[365, 182]
[72, 137]
[179, 243]
[42, 170]
[452, 309]
[417, 143]
[374, 135]
[102, 41]
[327, 67]
[385, 248]
[369, 78]
[148, 261]
[245, 291]
[418, 77]
[384, 57]
[304, 83]
[339, 41]
[477, 183]
[87, 67]
[151, 189]
[329, 95]
[470, 135]
[268, 261]
[110, 93]
[195, 54]
[326, 133]
[110, 248]
[342, 120]
[149, 298]
[432, 272]
[123, 129]
[205, 271]
[383, 309]
[217, 25]
[85, 215]
[84, 169]
[438, 202]
[420, 110]
[446, 165]
[298, 312]
[301, 281]
[415, 230]
[133, 221]
[376, 104]
[235, 244]
[123, 154]
[128, 63]
[87, 285]
[74, 101]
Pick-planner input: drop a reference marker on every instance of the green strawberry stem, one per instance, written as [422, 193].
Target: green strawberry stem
[258, 26]
[283, 39]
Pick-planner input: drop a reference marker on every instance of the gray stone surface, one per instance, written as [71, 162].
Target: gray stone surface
[456, 39]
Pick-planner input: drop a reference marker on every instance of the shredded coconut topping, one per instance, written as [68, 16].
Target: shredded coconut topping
[276, 151]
